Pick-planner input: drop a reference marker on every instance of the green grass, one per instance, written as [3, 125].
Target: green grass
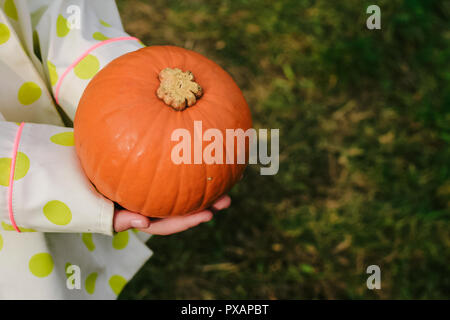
[364, 146]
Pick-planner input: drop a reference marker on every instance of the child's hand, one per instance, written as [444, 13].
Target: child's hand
[124, 220]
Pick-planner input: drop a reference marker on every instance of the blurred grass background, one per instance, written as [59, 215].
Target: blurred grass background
[365, 160]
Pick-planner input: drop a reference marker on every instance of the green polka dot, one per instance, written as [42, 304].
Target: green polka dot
[90, 282]
[52, 73]
[120, 240]
[136, 231]
[5, 166]
[41, 264]
[117, 283]
[22, 167]
[29, 92]
[10, 9]
[99, 36]
[64, 139]
[58, 212]
[87, 68]
[105, 24]
[88, 242]
[1, 242]
[62, 29]
[4, 33]
[8, 227]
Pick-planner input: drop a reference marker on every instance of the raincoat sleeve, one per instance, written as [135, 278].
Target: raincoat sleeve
[49, 51]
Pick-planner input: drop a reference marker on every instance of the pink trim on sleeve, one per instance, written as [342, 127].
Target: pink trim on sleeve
[11, 176]
[73, 65]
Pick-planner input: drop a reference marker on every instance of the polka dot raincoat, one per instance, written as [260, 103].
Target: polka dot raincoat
[49, 51]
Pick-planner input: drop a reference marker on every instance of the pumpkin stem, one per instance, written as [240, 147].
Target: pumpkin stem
[178, 89]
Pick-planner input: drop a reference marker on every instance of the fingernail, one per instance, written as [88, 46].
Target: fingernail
[207, 218]
[138, 224]
[222, 205]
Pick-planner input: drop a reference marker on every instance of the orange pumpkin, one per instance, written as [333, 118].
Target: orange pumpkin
[125, 121]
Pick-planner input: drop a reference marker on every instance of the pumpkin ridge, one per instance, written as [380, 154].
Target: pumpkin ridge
[176, 195]
[157, 165]
[182, 174]
[144, 138]
[210, 124]
[98, 164]
[231, 169]
[170, 55]
[205, 169]
[124, 169]
[154, 57]
[209, 119]
[233, 173]
[137, 63]
[231, 105]
[122, 172]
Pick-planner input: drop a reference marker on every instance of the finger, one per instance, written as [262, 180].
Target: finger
[124, 220]
[178, 224]
[222, 203]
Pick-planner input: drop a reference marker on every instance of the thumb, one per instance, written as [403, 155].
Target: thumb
[124, 220]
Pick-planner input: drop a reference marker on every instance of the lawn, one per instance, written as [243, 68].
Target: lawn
[364, 179]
